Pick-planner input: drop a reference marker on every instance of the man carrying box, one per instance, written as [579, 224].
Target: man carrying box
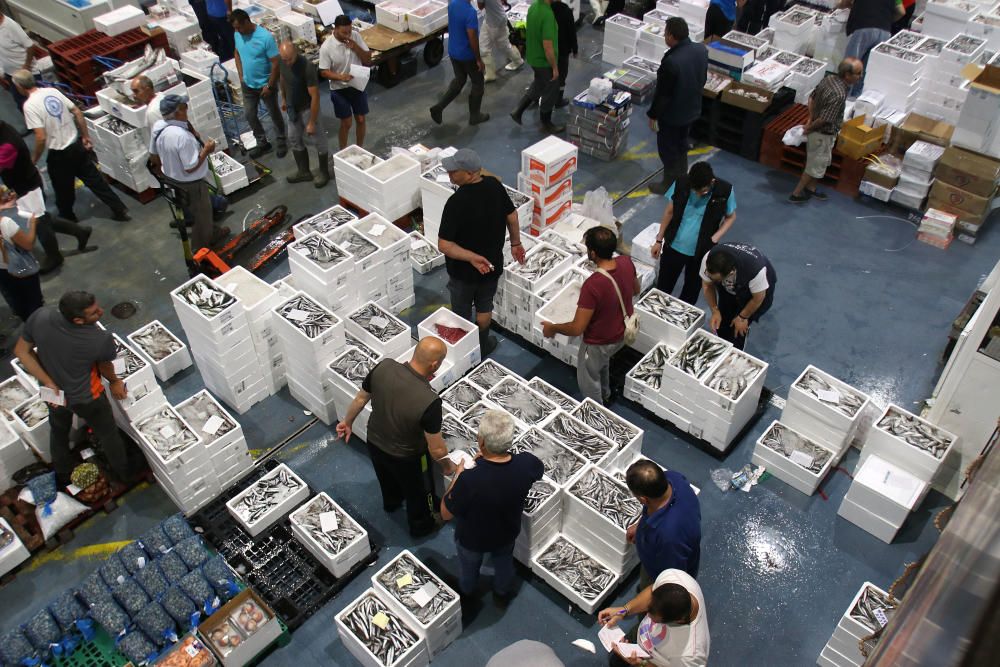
[826, 115]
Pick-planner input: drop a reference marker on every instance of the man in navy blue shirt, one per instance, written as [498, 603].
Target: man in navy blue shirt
[463, 49]
[218, 32]
[668, 534]
[486, 499]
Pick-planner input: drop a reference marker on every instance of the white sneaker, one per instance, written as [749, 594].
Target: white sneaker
[513, 67]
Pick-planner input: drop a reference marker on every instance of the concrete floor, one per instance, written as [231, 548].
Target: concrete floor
[857, 296]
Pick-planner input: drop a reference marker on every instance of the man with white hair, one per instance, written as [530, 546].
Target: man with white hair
[486, 500]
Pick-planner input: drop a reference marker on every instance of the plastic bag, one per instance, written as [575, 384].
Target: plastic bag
[795, 136]
[597, 205]
[71, 615]
[44, 633]
[130, 596]
[152, 580]
[177, 528]
[172, 566]
[15, 649]
[93, 590]
[53, 516]
[155, 541]
[113, 571]
[222, 577]
[156, 624]
[198, 589]
[110, 616]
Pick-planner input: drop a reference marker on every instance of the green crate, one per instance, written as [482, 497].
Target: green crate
[99, 652]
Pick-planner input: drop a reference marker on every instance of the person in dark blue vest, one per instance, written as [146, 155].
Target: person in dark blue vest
[738, 281]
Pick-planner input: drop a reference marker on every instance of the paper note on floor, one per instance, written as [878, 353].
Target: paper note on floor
[585, 645]
[359, 76]
[610, 636]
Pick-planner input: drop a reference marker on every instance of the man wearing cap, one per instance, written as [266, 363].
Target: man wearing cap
[184, 160]
[300, 95]
[257, 64]
[474, 227]
[59, 126]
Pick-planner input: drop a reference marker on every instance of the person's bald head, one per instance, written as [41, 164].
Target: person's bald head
[851, 70]
[430, 351]
[288, 52]
[142, 89]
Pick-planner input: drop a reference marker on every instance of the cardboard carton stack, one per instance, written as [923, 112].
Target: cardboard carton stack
[547, 169]
[916, 174]
[599, 128]
[964, 185]
[937, 228]
[881, 176]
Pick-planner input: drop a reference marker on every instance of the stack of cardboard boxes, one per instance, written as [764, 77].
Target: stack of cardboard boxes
[964, 185]
[547, 169]
[916, 174]
[600, 129]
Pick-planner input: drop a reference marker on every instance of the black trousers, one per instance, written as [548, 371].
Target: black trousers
[672, 145]
[543, 88]
[97, 414]
[465, 70]
[71, 163]
[614, 7]
[406, 479]
[672, 263]
[23, 295]
[730, 306]
[563, 72]
[221, 36]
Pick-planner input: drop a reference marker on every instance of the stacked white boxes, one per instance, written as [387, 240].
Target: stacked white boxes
[325, 271]
[287, 498]
[438, 630]
[181, 31]
[664, 318]
[393, 14]
[379, 329]
[560, 308]
[427, 17]
[881, 496]
[463, 353]
[199, 60]
[643, 381]
[368, 270]
[832, 418]
[258, 299]
[424, 257]
[582, 439]
[987, 26]
[356, 642]
[228, 173]
[119, 20]
[520, 282]
[13, 455]
[795, 30]
[144, 393]
[911, 452]
[31, 423]
[14, 553]
[917, 174]
[568, 550]
[218, 334]
[165, 76]
[804, 77]
[121, 151]
[625, 435]
[946, 18]
[435, 189]
[299, 26]
[388, 187]
[523, 202]
[601, 530]
[896, 73]
[621, 35]
[978, 127]
[221, 436]
[793, 458]
[650, 43]
[771, 73]
[547, 167]
[347, 371]
[310, 337]
[13, 392]
[541, 518]
[323, 222]
[178, 458]
[166, 362]
[350, 554]
[857, 624]
[393, 255]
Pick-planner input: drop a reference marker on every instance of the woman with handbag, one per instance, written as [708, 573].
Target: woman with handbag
[604, 315]
[19, 281]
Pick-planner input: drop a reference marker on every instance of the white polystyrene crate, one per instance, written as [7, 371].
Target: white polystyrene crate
[132, 368]
[393, 242]
[483, 374]
[300, 26]
[552, 312]
[427, 17]
[341, 562]
[191, 456]
[392, 347]
[443, 316]
[14, 553]
[556, 396]
[745, 403]
[673, 376]
[577, 511]
[324, 222]
[119, 20]
[868, 521]
[321, 346]
[393, 14]
[368, 261]
[662, 330]
[588, 605]
[802, 408]
[13, 392]
[918, 462]
[164, 366]
[26, 378]
[257, 297]
[785, 469]
[33, 429]
[516, 276]
[213, 440]
[418, 242]
[414, 656]
[886, 490]
[206, 324]
[304, 266]
[602, 452]
[287, 504]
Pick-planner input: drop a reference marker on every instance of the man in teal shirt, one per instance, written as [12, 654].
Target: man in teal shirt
[541, 49]
[258, 67]
[700, 211]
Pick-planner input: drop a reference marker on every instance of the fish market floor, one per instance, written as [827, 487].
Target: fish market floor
[856, 295]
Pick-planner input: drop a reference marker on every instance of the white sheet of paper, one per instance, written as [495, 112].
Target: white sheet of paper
[87, 453]
[213, 424]
[829, 395]
[379, 321]
[416, 245]
[610, 636]
[425, 594]
[459, 456]
[359, 76]
[443, 178]
[447, 152]
[328, 11]
[328, 522]
[73, 489]
[297, 315]
[53, 397]
[631, 650]
[119, 366]
[801, 458]
[31, 204]
[585, 644]
[376, 230]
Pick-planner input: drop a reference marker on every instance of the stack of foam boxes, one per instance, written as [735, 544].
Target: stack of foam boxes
[144, 393]
[165, 363]
[286, 498]
[347, 371]
[221, 435]
[181, 31]
[258, 299]
[561, 307]
[795, 30]
[299, 26]
[388, 187]
[13, 455]
[122, 151]
[218, 334]
[597, 533]
[546, 174]
[379, 329]
[310, 337]
[200, 61]
[868, 613]
[643, 382]
[665, 319]
[626, 436]
[692, 11]
[897, 74]
[323, 222]
[369, 278]
[804, 77]
[650, 44]
[945, 18]
[582, 439]
[338, 563]
[393, 255]
[427, 17]
[520, 282]
[424, 256]
[987, 26]
[825, 418]
[178, 458]
[435, 189]
[360, 611]
[325, 271]
[228, 173]
[31, 423]
[464, 352]
[950, 88]
[794, 459]
[621, 35]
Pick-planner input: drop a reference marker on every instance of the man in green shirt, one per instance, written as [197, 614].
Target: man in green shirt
[541, 47]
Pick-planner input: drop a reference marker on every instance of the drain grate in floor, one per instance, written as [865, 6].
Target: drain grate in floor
[123, 310]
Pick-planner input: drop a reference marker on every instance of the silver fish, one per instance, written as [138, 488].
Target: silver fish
[474, 415]
[320, 251]
[915, 432]
[521, 402]
[579, 437]
[131, 361]
[419, 575]
[378, 322]
[734, 374]
[156, 341]
[206, 297]
[350, 240]
[561, 463]
[359, 158]
[438, 172]
[871, 599]
[538, 262]
[665, 307]
[353, 342]
[850, 400]
[463, 395]
[166, 433]
[698, 354]
[33, 412]
[517, 197]
[386, 644]
[649, 371]
[553, 394]
[576, 569]
[330, 219]
[607, 497]
[539, 492]
[458, 437]
[421, 251]
[317, 319]
[549, 291]
[265, 494]
[200, 408]
[12, 394]
[489, 374]
[353, 365]
[785, 441]
[333, 541]
[608, 424]
[222, 164]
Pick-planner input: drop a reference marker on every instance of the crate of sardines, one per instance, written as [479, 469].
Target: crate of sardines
[378, 636]
[574, 573]
[241, 629]
[268, 499]
[330, 534]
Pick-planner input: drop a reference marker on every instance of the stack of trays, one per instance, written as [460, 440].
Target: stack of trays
[582, 439]
[180, 462]
[665, 319]
[14, 455]
[268, 499]
[896, 73]
[221, 435]
[540, 521]
[394, 255]
[575, 573]
[946, 18]
[795, 30]
[804, 77]
[793, 458]
[379, 329]
[368, 268]
[144, 393]
[393, 638]
[323, 222]
[435, 189]
[428, 17]
[347, 371]
[560, 308]
[424, 256]
[463, 348]
[597, 511]
[642, 383]
[881, 496]
[548, 164]
[228, 173]
[330, 534]
[389, 187]
[324, 270]
[869, 612]
[681, 387]
[543, 264]
[621, 34]
[625, 435]
[825, 410]
[912, 443]
[167, 354]
[122, 151]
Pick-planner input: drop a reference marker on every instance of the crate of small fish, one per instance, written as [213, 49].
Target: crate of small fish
[597, 511]
[665, 319]
[543, 261]
[793, 458]
[424, 257]
[582, 439]
[563, 401]
[524, 205]
[626, 435]
[425, 602]
[562, 464]
[317, 263]
[219, 431]
[205, 308]
[575, 573]
[14, 392]
[474, 415]
[693, 361]
[31, 422]
[393, 242]
[268, 499]
[132, 369]
[308, 332]
[170, 443]
[489, 374]
[461, 396]
[825, 409]
[241, 629]
[459, 335]
[329, 533]
[735, 386]
[540, 520]
[167, 353]
[524, 404]
[561, 308]
[378, 636]
[910, 442]
[324, 221]
[349, 369]
[379, 329]
[642, 383]
[229, 174]
[862, 618]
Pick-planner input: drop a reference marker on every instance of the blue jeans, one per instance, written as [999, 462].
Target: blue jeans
[858, 45]
[470, 563]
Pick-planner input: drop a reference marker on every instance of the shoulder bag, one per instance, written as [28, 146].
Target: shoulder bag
[631, 321]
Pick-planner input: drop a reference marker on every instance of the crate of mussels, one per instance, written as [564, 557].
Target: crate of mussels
[912, 443]
[268, 499]
[597, 511]
[330, 534]
[575, 573]
[165, 351]
[378, 636]
[427, 603]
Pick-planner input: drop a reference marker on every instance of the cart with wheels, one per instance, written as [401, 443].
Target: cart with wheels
[388, 46]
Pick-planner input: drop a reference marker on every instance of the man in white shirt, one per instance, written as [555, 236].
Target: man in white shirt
[59, 126]
[336, 55]
[184, 160]
[674, 632]
[493, 37]
[144, 92]
[17, 51]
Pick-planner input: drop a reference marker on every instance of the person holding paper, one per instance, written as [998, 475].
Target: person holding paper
[341, 57]
[486, 502]
[257, 64]
[405, 425]
[466, 62]
[300, 95]
[65, 350]
[674, 631]
[22, 294]
[738, 282]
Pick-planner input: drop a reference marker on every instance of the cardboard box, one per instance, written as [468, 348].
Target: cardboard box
[735, 95]
[860, 130]
[856, 150]
[880, 177]
[920, 128]
[266, 633]
[963, 200]
[969, 171]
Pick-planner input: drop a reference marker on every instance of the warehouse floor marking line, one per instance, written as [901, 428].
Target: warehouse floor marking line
[92, 552]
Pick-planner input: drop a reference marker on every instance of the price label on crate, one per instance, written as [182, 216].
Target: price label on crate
[297, 315]
[404, 581]
[425, 594]
[381, 620]
[377, 230]
[880, 616]
[829, 396]
[328, 522]
[213, 424]
[379, 321]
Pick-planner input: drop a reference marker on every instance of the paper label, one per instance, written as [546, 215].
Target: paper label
[801, 458]
[379, 321]
[631, 650]
[376, 230]
[168, 431]
[416, 245]
[829, 396]
[610, 636]
[381, 620]
[87, 453]
[73, 489]
[328, 522]
[443, 178]
[213, 424]
[53, 397]
[880, 616]
[404, 581]
[119, 366]
[297, 315]
[191, 650]
[425, 594]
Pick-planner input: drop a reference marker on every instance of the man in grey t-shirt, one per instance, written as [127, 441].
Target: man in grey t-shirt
[299, 79]
[73, 355]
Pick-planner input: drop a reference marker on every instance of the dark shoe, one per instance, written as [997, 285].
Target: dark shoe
[552, 128]
[798, 199]
[436, 115]
[176, 225]
[502, 601]
[302, 173]
[659, 188]
[81, 240]
[322, 171]
[611, 399]
[479, 118]
[48, 265]
[71, 217]
[563, 102]
[470, 606]
[121, 216]
[598, 23]
[816, 194]
[424, 531]
[282, 150]
[516, 116]
[258, 150]
[220, 234]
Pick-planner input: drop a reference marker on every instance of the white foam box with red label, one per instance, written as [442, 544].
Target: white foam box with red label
[549, 161]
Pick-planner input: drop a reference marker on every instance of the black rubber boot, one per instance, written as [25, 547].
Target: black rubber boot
[302, 173]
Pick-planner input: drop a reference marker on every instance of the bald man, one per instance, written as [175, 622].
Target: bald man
[405, 426]
[143, 92]
[299, 78]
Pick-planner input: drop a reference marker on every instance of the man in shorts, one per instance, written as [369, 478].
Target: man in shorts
[336, 56]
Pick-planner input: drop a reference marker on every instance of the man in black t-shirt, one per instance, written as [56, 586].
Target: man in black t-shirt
[474, 226]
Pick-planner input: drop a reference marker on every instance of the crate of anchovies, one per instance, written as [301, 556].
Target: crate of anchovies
[308, 332]
[324, 221]
[393, 243]
[560, 308]
[582, 439]
[428, 604]
[562, 464]
[315, 259]
[229, 173]
[379, 329]
[540, 520]
[489, 374]
[597, 511]
[793, 458]
[912, 443]
[461, 396]
[542, 261]
[524, 205]
[349, 369]
[329, 533]
[132, 368]
[219, 430]
[268, 499]
[825, 408]
[561, 400]
[524, 404]
[642, 383]
[167, 353]
[691, 363]
[474, 415]
[575, 573]
[205, 308]
[623, 433]
[31, 422]
[170, 443]
[378, 636]
[241, 629]
[424, 257]
[665, 319]
[870, 610]
[27, 378]
[735, 386]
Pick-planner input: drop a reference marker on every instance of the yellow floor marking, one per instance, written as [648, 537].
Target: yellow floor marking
[93, 552]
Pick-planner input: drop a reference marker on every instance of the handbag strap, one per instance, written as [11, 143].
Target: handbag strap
[621, 301]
